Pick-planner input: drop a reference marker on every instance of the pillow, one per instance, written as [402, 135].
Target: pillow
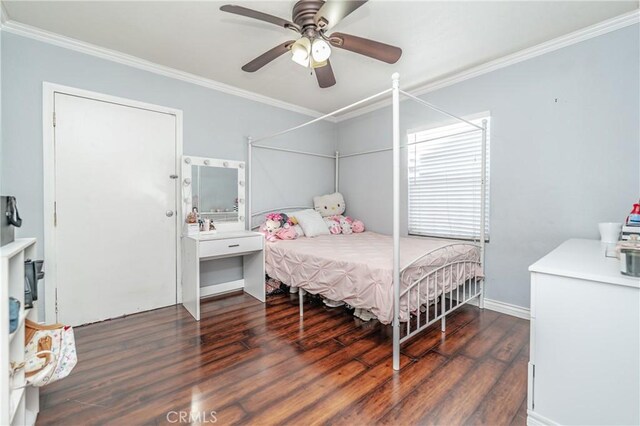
[329, 205]
[311, 222]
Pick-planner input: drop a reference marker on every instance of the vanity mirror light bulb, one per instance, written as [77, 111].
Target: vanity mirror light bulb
[241, 165]
[187, 160]
[206, 162]
[241, 200]
[241, 218]
[226, 164]
[241, 183]
[187, 181]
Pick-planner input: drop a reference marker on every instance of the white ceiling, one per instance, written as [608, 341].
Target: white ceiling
[437, 38]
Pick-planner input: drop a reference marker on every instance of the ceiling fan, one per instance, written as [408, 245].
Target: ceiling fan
[312, 19]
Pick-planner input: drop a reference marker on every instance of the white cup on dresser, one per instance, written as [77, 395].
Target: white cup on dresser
[610, 232]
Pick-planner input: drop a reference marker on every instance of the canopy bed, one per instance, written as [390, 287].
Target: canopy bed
[411, 282]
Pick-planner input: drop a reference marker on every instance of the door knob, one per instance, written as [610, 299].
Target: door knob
[169, 213]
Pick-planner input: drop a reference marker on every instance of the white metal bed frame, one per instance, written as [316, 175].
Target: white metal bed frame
[463, 293]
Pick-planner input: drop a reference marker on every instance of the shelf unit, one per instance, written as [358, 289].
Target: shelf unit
[18, 405]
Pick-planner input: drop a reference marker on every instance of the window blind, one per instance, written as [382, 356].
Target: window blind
[444, 169]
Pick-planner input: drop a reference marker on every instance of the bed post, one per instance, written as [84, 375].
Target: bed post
[396, 220]
[301, 301]
[249, 183]
[483, 207]
[337, 178]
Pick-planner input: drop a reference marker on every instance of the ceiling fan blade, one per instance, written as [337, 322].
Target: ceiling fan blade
[325, 76]
[334, 11]
[364, 46]
[250, 13]
[267, 57]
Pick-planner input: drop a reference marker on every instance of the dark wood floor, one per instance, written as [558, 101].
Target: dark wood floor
[260, 364]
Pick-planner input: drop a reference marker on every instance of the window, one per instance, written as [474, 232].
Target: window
[444, 168]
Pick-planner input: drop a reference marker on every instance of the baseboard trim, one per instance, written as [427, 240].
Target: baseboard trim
[504, 308]
[535, 419]
[217, 289]
[507, 308]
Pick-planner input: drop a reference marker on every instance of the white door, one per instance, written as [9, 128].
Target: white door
[115, 203]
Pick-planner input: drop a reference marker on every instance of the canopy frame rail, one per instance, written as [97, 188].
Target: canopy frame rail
[323, 117]
[294, 151]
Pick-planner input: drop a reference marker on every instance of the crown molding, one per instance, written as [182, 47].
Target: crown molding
[90, 49]
[604, 27]
[587, 33]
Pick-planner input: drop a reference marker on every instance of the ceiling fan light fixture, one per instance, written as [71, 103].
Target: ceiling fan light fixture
[301, 51]
[320, 50]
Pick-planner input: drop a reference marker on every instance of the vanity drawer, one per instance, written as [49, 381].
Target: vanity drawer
[228, 246]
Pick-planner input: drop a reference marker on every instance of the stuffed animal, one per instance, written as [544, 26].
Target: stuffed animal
[334, 226]
[329, 205]
[278, 226]
[339, 224]
[357, 226]
[345, 225]
[287, 232]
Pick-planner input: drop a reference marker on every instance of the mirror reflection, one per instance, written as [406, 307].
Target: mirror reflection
[216, 193]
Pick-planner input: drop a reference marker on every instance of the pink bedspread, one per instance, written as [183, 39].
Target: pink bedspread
[357, 268]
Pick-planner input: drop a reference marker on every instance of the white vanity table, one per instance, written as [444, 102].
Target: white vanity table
[212, 186]
[199, 248]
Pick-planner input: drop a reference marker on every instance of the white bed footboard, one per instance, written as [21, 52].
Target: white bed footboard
[437, 290]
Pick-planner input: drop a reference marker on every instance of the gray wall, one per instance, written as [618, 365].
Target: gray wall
[564, 144]
[215, 125]
[565, 152]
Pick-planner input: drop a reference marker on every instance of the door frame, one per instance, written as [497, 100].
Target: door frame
[48, 99]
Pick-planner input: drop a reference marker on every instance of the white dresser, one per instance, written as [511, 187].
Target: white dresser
[584, 365]
[247, 244]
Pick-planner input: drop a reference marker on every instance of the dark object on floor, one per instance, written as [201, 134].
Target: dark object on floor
[273, 286]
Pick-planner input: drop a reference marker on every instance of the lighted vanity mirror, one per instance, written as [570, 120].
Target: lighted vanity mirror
[214, 189]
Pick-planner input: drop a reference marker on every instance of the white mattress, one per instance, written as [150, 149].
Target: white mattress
[357, 268]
